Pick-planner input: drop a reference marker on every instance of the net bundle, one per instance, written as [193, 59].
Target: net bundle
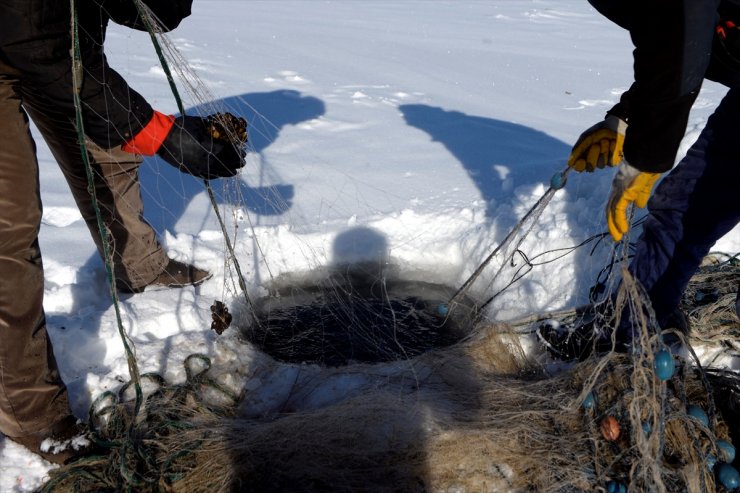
[480, 415]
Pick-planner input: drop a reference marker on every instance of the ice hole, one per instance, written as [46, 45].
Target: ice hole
[355, 315]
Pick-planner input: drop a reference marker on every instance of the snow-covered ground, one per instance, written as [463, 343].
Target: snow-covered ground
[414, 131]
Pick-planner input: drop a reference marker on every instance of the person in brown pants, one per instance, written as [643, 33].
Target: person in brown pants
[36, 81]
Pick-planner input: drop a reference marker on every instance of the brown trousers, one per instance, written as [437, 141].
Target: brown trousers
[32, 395]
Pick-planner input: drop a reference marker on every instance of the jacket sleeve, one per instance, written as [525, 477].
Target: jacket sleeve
[673, 43]
[112, 112]
[169, 13]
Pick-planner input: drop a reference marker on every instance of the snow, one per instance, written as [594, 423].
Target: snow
[417, 132]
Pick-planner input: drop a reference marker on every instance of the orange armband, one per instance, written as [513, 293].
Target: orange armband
[149, 139]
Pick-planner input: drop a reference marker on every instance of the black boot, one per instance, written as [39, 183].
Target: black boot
[592, 328]
[175, 275]
[590, 331]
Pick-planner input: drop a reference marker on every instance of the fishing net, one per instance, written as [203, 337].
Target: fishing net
[709, 301]
[399, 382]
[356, 314]
[479, 415]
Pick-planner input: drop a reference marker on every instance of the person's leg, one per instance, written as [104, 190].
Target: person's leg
[138, 257]
[692, 207]
[32, 395]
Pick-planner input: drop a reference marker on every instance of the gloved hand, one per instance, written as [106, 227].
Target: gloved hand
[195, 147]
[599, 146]
[209, 147]
[630, 185]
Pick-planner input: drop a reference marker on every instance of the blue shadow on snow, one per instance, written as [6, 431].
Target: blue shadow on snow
[500, 156]
[167, 192]
[497, 155]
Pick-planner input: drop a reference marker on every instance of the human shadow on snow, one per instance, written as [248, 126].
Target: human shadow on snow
[499, 157]
[167, 192]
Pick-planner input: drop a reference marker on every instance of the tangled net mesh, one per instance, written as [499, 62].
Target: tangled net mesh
[480, 416]
[709, 301]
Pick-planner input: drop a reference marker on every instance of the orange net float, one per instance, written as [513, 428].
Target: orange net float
[610, 429]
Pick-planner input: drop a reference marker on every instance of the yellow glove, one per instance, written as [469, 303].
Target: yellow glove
[599, 146]
[630, 185]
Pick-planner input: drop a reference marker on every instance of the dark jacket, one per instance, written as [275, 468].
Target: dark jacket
[35, 40]
[675, 50]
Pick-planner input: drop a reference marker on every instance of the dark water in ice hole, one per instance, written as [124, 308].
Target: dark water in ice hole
[335, 322]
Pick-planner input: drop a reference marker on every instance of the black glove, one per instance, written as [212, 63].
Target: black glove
[200, 147]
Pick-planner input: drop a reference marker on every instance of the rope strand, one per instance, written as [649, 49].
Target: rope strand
[146, 18]
[77, 74]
